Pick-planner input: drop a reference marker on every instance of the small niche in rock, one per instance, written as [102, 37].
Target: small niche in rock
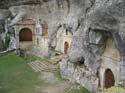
[57, 54]
[81, 62]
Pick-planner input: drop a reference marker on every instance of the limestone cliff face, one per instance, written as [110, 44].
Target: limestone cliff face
[104, 19]
[92, 23]
[53, 12]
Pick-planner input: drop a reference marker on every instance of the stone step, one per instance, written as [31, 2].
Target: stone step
[56, 59]
[31, 65]
[54, 62]
[38, 66]
[35, 67]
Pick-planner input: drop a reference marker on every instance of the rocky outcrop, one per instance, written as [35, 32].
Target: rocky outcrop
[80, 74]
[4, 14]
[103, 20]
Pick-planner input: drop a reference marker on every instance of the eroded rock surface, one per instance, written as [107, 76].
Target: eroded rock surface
[103, 20]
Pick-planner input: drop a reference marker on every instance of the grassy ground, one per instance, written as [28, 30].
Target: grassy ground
[16, 76]
[81, 90]
[69, 90]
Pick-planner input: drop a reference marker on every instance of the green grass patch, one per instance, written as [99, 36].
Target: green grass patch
[81, 90]
[16, 76]
[58, 76]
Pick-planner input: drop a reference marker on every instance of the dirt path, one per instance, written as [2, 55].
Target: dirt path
[50, 76]
[52, 84]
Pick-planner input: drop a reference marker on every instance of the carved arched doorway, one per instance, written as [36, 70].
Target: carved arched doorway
[66, 46]
[109, 79]
[45, 30]
[25, 34]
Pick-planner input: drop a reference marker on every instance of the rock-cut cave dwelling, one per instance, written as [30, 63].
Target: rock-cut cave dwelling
[88, 33]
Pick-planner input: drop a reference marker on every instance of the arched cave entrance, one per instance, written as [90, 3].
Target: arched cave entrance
[109, 79]
[66, 46]
[25, 34]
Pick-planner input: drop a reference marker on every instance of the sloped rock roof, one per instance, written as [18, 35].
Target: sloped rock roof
[8, 3]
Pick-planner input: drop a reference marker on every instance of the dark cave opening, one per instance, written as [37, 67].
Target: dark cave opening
[81, 62]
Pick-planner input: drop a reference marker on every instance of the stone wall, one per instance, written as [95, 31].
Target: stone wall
[23, 45]
[41, 49]
[110, 60]
[62, 37]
